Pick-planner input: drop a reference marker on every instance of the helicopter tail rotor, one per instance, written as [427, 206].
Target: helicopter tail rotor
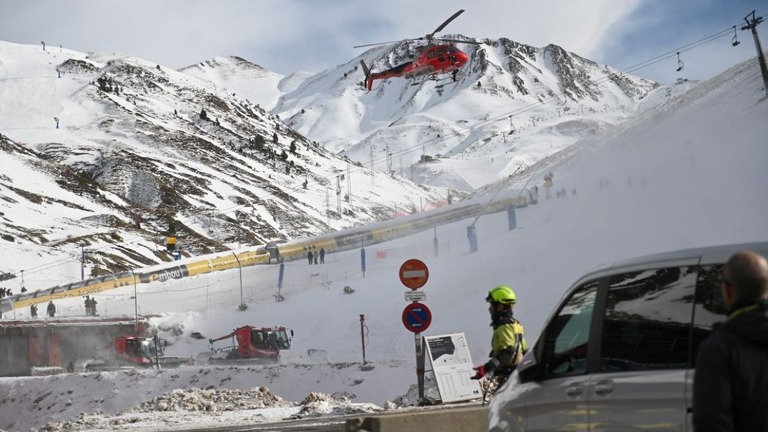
[367, 71]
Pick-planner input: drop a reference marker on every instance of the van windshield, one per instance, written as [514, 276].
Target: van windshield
[567, 338]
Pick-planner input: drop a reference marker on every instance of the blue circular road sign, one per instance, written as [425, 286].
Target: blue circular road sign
[417, 317]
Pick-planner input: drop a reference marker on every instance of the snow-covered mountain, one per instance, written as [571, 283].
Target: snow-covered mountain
[103, 149]
[228, 153]
[690, 173]
[512, 105]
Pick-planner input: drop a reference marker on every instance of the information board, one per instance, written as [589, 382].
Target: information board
[452, 367]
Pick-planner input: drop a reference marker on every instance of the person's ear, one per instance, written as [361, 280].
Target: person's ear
[729, 296]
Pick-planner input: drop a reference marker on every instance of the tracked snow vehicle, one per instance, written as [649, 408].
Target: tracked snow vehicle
[250, 345]
[131, 352]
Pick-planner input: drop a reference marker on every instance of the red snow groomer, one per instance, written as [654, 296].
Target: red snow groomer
[252, 345]
[132, 352]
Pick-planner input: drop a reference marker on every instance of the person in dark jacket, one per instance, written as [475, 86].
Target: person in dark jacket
[51, 309]
[730, 388]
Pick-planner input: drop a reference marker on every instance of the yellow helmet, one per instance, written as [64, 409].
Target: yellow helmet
[502, 294]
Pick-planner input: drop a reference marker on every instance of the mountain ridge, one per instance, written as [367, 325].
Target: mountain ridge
[161, 153]
[201, 152]
[503, 81]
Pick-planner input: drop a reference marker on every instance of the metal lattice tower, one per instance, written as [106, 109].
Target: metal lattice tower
[338, 195]
[752, 25]
[373, 178]
[327, 207]
[349, 185]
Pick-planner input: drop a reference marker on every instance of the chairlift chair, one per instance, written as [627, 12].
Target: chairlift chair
[734, 40]
[680, 63]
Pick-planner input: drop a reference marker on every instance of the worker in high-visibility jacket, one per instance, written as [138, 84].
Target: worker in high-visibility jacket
[508, 342]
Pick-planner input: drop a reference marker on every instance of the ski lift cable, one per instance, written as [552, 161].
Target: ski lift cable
[530, 107]
[58, 263]
[501, 186]
[533, 106]
[602, 80]
[63, 261]
[684, 48]
[637, 66]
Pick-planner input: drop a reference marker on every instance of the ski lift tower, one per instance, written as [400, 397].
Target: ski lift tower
[752, 25]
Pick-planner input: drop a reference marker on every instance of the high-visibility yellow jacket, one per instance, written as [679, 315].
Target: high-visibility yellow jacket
[508, 346]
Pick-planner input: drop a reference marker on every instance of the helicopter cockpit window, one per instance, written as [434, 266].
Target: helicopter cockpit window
[431, 54]
[440, 53]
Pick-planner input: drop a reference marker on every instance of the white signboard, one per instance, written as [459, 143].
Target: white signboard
[416, 296]
[452, 366]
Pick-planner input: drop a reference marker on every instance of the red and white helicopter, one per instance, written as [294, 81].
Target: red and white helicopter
[434, 59]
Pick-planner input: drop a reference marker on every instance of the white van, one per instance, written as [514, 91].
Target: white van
[618, 352]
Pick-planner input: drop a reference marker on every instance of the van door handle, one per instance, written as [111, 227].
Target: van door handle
[574, 390]
[604, 387]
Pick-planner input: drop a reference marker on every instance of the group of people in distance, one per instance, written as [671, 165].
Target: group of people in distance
[314, 257]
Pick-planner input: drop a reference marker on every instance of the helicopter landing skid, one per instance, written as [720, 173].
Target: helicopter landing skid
[440, 83]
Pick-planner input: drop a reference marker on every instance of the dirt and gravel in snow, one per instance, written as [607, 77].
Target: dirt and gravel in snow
[220, 406]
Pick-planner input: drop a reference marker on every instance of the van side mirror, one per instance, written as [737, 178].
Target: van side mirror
[529, 369]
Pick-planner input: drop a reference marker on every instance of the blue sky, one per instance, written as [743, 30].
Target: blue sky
[307, 35]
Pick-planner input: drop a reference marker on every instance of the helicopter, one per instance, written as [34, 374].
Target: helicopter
[433, 59]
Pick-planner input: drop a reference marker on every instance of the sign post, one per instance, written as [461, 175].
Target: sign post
[416, 316]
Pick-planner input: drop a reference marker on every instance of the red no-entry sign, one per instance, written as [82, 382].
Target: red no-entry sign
[414, 274]
[417, 317]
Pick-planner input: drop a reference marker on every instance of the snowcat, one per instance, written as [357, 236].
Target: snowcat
[132, 352]
[250, 345]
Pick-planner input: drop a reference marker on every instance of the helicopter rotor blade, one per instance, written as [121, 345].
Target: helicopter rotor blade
[378, 43]
[459, 41]
[429, 38]
[445, 23]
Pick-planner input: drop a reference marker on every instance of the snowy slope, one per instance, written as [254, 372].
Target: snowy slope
[156, 148]
[512, 103]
